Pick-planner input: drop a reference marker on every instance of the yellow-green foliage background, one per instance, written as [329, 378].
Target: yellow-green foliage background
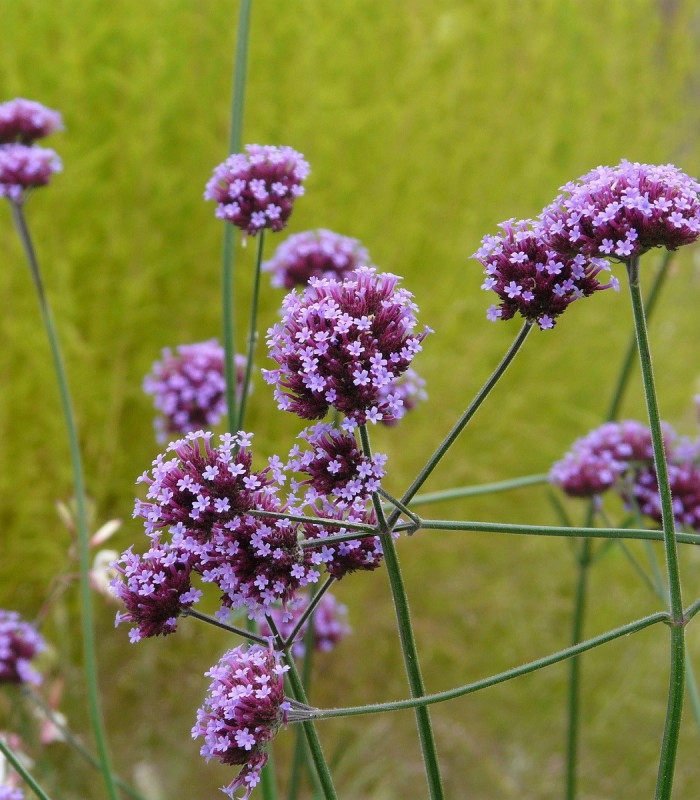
[426, 122]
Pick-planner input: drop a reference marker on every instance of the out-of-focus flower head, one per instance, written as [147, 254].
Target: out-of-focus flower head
[531, 278]
[24, 167]
[621, 212]
[24, 121]
[242, 712]
[189, 387]
[155, 589]
[599, 460]
[329, 621]
[684, 481]
[19, 644]
[315, 254]
[340, 344]
[257, 189]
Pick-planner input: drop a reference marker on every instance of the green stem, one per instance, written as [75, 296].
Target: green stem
[483, 488]
[501, 677]
[252, 333]
[22, 771]
[75, 743]
[407, 638]
[314, 599]
[89, 653]
[674, 709]
[229, 243]
[243, 633]
[449, 440]
[628, 360]
[369, 530]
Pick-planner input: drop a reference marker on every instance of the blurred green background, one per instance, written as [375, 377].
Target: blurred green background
[425, 123]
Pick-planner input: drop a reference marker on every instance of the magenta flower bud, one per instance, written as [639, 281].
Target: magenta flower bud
[19, 644]
[315, 254]
[24, 121]
[257, 189]
[242, 712]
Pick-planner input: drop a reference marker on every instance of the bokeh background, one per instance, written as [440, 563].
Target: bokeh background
[426, 123]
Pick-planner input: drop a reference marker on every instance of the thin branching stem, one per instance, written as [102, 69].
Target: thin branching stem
[24, 773]
[242, 632]
[252, 332]
[479, 489]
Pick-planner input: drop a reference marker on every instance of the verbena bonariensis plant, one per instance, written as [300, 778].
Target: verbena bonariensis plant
[273, 536]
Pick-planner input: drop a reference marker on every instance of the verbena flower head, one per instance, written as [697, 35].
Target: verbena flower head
[329, 623]
[19, 644]
[315, 254]
[24, 121]
[24, 167]
[155, 588]
[621, 212]
[335, 464]
[341, 343]
[242, 712]
[598, 461]
[257, 189]
[409, 389]
[189, 387]
[531, 278]
[684, 481]
[342, 558]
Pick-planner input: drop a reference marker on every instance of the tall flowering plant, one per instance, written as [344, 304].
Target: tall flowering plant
[268, 535]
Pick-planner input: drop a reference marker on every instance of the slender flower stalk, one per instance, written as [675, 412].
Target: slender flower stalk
[407, 638]
[479, 489]
[501, 677]
[676, 685]
[449, 440]
[87, 617]
[252, 333]
[22, 771]
[217, 623]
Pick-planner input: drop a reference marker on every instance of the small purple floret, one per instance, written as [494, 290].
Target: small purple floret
[257, 189]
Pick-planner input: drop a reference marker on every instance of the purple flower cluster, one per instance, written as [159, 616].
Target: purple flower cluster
[213, 505]
[599, 460]
[328, 620]
[242, 712]
[257, 189]
[25, 121]
[19, 644]
[408, 390]
[155, 589]
[619, 455]
[23, 165]
[315, 254]
[11, 793]
[189, 387]
[531, 278]
[621, 212]
[335, 464]
[341, 344]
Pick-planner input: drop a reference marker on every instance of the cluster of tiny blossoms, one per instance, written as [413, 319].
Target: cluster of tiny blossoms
[533, 279]
[619, 456]
[623, 211]
[19, 644]
[538, 268]
[257, 189]
[24, 165]
[189, 387]
[343, 344]
[328, 622]
[315, 254]
[243, 710]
